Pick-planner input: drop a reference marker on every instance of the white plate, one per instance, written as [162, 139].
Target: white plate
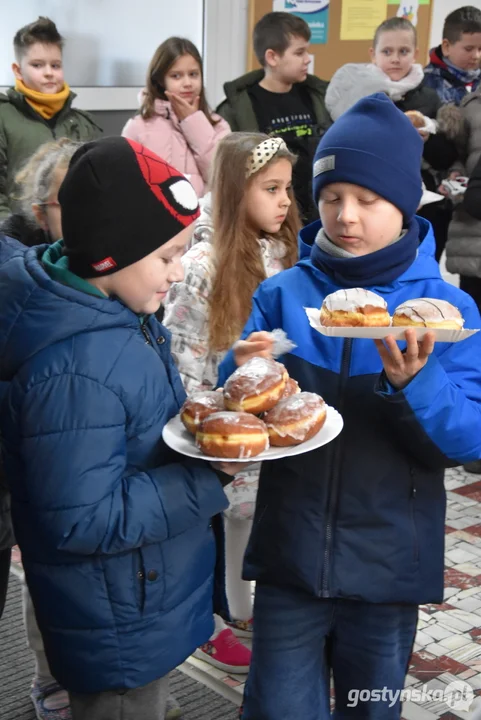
[377, 333]
[176, 436]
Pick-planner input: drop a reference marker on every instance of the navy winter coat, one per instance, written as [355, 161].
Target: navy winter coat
[114, 528]
[363, 517]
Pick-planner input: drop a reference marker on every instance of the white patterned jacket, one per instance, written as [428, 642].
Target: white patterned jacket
[187, 318]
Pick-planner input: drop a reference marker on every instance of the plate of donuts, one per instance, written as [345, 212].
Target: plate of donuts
[359, 313]
[260, 414]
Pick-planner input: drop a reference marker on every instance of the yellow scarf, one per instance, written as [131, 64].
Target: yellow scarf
[44, 104]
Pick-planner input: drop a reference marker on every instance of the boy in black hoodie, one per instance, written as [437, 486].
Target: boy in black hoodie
[282, 99]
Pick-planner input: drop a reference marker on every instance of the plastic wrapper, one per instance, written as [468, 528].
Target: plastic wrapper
[282, 344]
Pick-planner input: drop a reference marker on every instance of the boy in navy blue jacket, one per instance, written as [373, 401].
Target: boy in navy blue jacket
[115, 529]
[348, 539]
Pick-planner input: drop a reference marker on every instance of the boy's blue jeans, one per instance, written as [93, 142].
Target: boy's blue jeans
[299, 639]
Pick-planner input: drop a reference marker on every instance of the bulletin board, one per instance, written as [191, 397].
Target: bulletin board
[335, 52]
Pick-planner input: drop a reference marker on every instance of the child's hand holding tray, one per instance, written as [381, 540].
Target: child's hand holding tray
[378, 333]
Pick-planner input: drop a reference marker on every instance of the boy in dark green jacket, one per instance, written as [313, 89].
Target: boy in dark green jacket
[282, 99]
[39, 107]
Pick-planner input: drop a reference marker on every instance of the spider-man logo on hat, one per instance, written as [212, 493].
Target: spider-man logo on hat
[120, 202]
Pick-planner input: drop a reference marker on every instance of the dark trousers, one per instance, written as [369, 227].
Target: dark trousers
[472, 286]
[299, 639]
[4, 570]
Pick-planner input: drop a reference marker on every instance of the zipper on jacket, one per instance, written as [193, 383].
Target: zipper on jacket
[38, 118]
[412, 502]
[145, 333]
[140, 580]
[335, 472]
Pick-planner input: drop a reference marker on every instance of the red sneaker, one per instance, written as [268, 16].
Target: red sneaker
[225, 653]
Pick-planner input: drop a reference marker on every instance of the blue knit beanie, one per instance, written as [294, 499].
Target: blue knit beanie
[373, 145]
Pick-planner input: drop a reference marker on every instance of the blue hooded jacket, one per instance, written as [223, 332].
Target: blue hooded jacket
[114, 528]
[363, 517]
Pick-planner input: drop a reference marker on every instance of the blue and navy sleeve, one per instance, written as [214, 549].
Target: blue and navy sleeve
[438, 414]
[91, 501]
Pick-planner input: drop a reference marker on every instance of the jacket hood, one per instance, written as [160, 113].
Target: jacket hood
[161, 107]
[450, 120]
[164, 109]
[38, 312]
[436, 57]
[425, 265]
[354, 81]
[471, 97]
[233, 87]
[18, 227]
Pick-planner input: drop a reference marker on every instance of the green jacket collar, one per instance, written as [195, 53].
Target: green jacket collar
[255, 76]
[18, 100]
[238, 111]
[56, 265]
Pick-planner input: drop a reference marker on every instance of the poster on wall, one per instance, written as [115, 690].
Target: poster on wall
[314, 12]
[409, 11]
[360, 18]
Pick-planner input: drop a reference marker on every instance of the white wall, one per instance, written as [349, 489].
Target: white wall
[225, 56]
[115, 53]
[441, 8]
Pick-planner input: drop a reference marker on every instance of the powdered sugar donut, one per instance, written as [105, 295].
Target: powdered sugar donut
[256, 386]
[417, 118]
[428, 312]
[292, 388]
[199, 406]
[232, 435]
[295, 419]
[354, 307]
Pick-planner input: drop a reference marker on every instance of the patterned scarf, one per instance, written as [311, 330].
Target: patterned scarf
[465, 76]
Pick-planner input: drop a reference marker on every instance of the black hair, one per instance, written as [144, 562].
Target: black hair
[43, 30]
[466, 19]
[274, 32]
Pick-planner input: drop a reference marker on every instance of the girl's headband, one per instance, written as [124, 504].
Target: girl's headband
[262, 153]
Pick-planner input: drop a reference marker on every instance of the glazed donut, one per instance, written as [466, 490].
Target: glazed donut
[354, 307]
[295, 419]
[232, 435]
[198, 406]
[416, 117]
[429, 313]
[292, 387]
[256, 386]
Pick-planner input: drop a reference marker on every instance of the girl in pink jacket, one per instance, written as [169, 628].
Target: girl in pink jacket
[175, 121]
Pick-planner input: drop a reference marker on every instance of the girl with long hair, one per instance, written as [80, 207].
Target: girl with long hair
[248, 232]
[175, 121]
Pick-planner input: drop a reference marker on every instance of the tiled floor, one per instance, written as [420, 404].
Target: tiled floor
[448, 642]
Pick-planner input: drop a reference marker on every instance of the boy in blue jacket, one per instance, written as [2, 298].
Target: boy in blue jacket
[115, 529]
[348, 539]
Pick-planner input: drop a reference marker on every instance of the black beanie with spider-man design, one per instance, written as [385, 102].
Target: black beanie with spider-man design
[120, 202]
